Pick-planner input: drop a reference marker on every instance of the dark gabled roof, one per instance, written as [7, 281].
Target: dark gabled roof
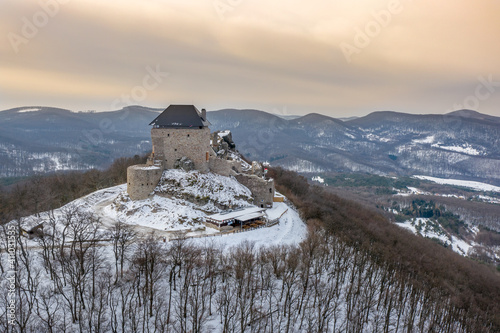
[180, 116]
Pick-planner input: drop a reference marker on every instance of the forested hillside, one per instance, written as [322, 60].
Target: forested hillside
[356, 272]
[463, 144]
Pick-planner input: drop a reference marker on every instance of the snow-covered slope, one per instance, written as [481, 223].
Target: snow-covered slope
[430, 229]
[179, 206]
[466, 246]
[205, 187]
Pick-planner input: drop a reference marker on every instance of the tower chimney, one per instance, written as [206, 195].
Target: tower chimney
[204, 114]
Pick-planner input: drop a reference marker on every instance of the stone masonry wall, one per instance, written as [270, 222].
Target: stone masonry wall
[173, 143]
[224, 167]
[142, 180]
[262, 189]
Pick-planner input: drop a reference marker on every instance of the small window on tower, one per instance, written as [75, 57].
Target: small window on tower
[168, 134]
[188, 135]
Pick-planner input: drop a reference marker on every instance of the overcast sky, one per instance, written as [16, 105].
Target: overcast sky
[337, 57]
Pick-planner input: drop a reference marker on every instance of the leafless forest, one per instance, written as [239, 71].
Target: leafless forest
[355, 273]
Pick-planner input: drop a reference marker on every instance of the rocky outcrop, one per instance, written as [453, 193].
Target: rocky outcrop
[184, 163]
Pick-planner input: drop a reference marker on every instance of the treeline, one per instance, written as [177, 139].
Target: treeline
[472, 288]
[368, 180]
[42, 193]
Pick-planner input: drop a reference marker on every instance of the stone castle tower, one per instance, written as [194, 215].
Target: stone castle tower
[182, 131]
[180, 134]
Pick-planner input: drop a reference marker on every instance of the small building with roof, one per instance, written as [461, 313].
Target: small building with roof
[237, 217]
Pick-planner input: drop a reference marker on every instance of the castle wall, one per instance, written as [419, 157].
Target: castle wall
[142, 180]
[224, 167]
[262, 189]
[173, 143]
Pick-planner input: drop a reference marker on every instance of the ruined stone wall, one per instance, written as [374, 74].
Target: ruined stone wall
[142, 180]
[262, 189]
[224, 167]
[172, 144]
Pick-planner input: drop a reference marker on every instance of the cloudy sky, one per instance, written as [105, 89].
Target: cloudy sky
[336, 57]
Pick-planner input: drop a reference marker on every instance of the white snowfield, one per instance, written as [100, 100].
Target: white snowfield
[29, 110]
[428, 139]
[478, 186]
[171, 216]
[318, 179]
[464, 149]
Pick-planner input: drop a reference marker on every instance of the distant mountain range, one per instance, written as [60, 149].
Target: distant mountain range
[462, 144]
[43, 139]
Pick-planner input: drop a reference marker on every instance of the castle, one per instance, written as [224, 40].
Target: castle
[181, 139]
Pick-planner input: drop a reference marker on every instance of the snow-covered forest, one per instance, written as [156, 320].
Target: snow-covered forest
[355, 272]
[141, 284]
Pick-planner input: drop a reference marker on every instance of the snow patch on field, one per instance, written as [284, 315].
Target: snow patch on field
[410, 191]
[478, 186]
[29, 110]
[304, 166]
[465, 149]
[373, 137]
[429, 139]
[318, 179]
[488, 199]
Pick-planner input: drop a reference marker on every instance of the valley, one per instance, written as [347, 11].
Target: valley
[461, 215]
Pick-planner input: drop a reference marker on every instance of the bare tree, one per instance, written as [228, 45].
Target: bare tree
[122, 236]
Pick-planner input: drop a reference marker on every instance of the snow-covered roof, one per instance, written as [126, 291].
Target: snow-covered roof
[250, 217]
[224, 133]
[236, 214]
[148, 167]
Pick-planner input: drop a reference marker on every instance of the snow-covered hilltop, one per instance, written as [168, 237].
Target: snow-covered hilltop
[179, 207]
